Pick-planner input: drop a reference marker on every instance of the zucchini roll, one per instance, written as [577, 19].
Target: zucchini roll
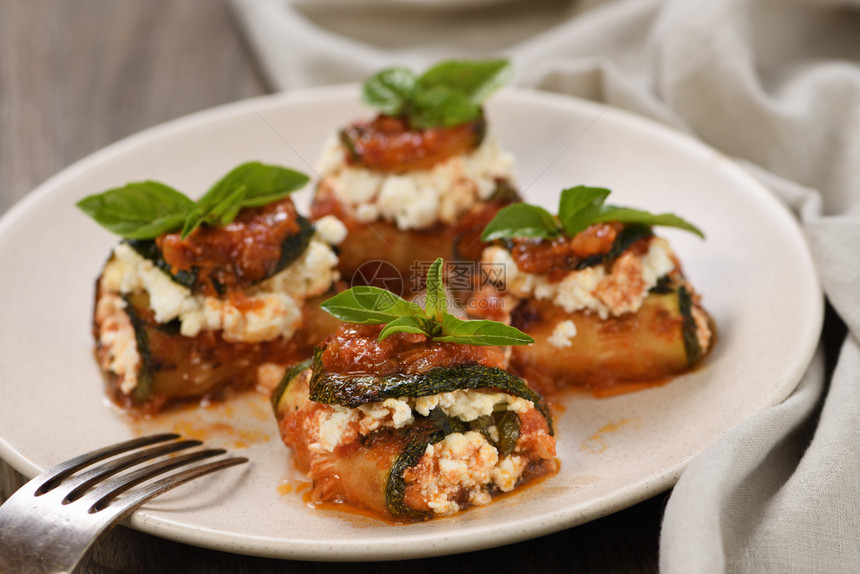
[604, 298]
[413, 187]
[182, 319]
[410, 428]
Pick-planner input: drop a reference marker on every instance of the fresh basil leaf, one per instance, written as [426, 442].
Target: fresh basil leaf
[142, 210]
[448, 94]
[368, 305]
[226, 210]
[521, 220]
[436, 303]
[476, 79]
[155, 228]
[579, 206]
[441, 106]
[251, 184]
[389, 90]
[231, 211]
[192, 222]
[264, 184]
[271, 184]
[630, 215]
[480, 332]
[407, 324]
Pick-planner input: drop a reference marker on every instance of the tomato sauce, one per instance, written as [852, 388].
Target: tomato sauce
[559, 256]
[389, 144]
[356, 349]
[234, 256]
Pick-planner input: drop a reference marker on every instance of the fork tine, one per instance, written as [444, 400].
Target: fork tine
[128, 504]
[103, 494]
[56, 474]
[39, 534]
[80, 484]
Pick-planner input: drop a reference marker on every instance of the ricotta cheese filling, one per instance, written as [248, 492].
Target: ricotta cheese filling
[420, 198]
[459, 462]
[562, 334]
[620, 290]
[462, 464]
[274, 308]
[463, 467]
[339, 425]
[116, 336]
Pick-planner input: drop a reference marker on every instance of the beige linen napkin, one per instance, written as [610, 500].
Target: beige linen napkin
[773, 83]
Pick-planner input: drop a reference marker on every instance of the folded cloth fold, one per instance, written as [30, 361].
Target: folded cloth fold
[773, 83]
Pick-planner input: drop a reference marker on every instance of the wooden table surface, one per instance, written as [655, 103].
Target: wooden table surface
[76, 76]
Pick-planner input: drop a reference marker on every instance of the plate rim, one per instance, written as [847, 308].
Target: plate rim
[448, 543]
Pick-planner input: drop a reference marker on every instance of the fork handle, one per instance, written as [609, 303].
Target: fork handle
[38, 542]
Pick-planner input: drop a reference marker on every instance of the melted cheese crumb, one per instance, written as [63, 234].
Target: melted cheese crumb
[332, 427]
[117, 337]
[507, 473]
[468, 405]
[396, 412]
[463, 461]
[463, 465]
[330, 230]
[562, 334]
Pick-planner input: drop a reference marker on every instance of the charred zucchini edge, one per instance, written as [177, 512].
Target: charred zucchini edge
[353, 390]
[395, 485]
[290, 375]
[141, 392]
[688, 327]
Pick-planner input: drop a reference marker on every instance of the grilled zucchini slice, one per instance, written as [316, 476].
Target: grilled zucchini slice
[370, 472]
[651, 345]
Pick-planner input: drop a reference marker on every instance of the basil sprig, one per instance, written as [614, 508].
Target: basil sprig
[368, 305]
[448, 94]
[578, 208]
[148, 209]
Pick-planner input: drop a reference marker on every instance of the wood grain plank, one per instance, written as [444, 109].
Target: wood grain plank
[76, 76]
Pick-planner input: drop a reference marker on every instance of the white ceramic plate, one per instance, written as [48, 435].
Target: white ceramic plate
[754, 270]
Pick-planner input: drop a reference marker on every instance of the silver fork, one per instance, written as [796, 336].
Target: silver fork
[48, 524]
